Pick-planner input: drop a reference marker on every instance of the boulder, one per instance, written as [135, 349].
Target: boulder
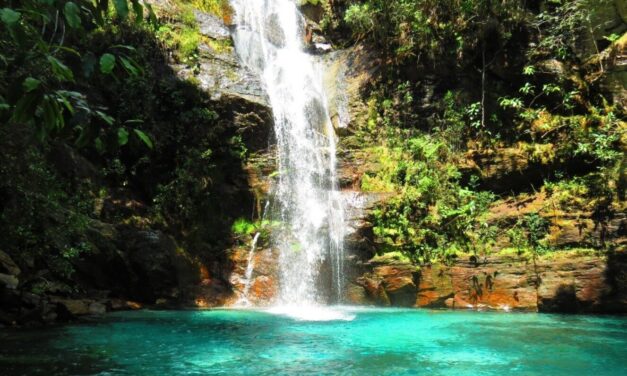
[8, 266]
[97, 308]
[398, 281]
[9, 281]
[211, 26]
[73, 307]
[158, 265]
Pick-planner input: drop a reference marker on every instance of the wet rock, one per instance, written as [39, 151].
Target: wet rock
[97, 308]
[123, 305]
[9, 281]
[398, 283]
[583, 284]
[263, 290]
[212, 26]
[31, 300]
[264, 279]
[160, 266]
[347, 74]
[374, 288]
[311, 11]
[274, 33]
[357, 295]
[73, 307]
[561, 283]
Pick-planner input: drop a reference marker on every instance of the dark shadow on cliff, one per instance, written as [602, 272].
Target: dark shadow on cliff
[615, 300]
[151, 221]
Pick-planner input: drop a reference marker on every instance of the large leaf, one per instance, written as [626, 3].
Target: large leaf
[139, 11]
[61, 96]
[106, 118]
[72, 14]
[121, 8]
[9, 16]
[60, 70]
[25, 107]
[30, 84]
[130, 66]
[122, 136]
[107, 63]
[144, 137]
[52, 114]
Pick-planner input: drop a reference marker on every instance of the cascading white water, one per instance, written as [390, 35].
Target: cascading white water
[269, 39]
[250, 266]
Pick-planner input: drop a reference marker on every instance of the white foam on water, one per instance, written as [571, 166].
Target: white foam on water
[312, 312]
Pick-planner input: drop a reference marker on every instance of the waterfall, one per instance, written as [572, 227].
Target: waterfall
[269, 39]
[250, 267]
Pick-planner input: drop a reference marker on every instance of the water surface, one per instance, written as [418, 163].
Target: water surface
[362, 342]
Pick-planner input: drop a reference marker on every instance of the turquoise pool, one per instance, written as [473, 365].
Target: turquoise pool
[357, 342]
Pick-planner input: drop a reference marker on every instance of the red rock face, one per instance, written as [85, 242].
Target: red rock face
[264, 280]
[563, 284]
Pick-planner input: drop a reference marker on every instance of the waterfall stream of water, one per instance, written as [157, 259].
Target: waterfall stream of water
[306, 201]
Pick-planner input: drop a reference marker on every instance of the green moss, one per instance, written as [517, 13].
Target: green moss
[391, 257]
[220, 8]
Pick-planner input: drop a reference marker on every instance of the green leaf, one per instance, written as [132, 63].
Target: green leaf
[60, 70]
[30, 84]
[144, 137]
[121, 8]
[25, 107]
[99, 145]
[106, 118]
[130, 67]
[52, 115]
[139, 11]
[62, 98]
[122, 136]
[89, 64]
[9, 16]
[72, 15]
[107, 63]
[152, 17]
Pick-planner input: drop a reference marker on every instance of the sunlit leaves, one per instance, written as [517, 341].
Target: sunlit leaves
[529, 70]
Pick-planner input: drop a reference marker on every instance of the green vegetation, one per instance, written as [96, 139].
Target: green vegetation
[100, 138]
[505, 79]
